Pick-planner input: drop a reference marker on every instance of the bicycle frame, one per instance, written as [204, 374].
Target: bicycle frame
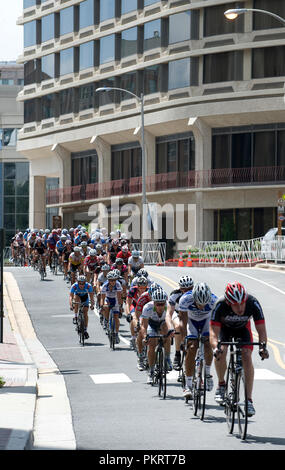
[199, 380]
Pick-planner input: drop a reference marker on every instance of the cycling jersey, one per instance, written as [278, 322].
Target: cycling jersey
[75, 260]
[91, 262]
[40, 248]
[80, 291]
[135, 265]
[223, 315]
[187, 304]
[154, 320]
[60, 246]
[102, 278]
[134, 295]
[52, 241]
[111, 294]
[174, 298]
[142, 300]
[122, 270]
[124, 256]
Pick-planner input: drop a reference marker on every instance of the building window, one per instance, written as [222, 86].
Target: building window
[86, 14]
[107, 10]
[29, 3]
[66, 101]
[150, 2]
[86, 97]
[30, 34]
[152, 35]
[179, 27]
[126, 162]
[129, 5]
[30, 111]
[84, 168]
[179, 74]
[66, 20]
[107, 98]
[151, 79]
[129, 42]
[30, 72]
[215, 22]
[107, 49]
[128, 82]
[66, 61]
[7, 81]
[223, 67]
[48, 106]
[47, 27]
[268, 62]
[86, 55]
[175, 154]
[266, 21]
[8, 137]
[48, 67]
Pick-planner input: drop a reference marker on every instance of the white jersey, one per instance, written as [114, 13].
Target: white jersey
[111, 294]
[135, 264]
[102, 278]
[187, 304]
[150, 313]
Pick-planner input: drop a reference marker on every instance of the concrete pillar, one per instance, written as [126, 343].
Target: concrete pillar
[64, 161]
[37, 214]
[103, 150]
[150, 149]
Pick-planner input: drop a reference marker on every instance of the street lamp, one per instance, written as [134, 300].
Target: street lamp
[144, 201]
[234, 13]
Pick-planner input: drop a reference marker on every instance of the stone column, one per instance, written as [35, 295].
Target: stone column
[37, 211]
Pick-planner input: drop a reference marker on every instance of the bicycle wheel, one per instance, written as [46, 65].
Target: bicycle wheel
[196, 389]
[112, 331]
[80, 328]
[159, 371]
[230, 397]
[242, 405]
[199, 395]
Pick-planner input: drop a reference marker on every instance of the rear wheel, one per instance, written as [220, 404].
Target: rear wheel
[242, 403]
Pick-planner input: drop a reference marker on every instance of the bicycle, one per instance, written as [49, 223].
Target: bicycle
[161, 369]
[236, 398]
[199, 380]
[54, 263]
[112, 329]
[41, 268]
[80, 327]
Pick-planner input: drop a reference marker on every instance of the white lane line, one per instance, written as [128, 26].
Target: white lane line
[258, 280]
[265, 374]
[110, 378]
[127, 342]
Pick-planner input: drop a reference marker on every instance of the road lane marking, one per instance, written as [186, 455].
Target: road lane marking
[266, 374]
[110, 378]
[258, 280]
[127, 342]
[165, 279]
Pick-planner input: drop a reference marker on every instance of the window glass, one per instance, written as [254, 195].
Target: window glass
[161, 151]
[107, 9]
[9, 137]
[268, 62]
[179, 74]
[30, 34]
[216, 23]
[30, 69]
[9, 205]
[66, 20]
[241, 150]
[179, 27]
[48, 106]
[128, 82]
[86, 13]
[86, 55]
[226, 66]
[107, 49]
[47, 27]
[129, 5]
[171, 156]
[129, 42]
[221, 151]
[29, 3]
[86, 97]
[152, 36]
[264, 149]
[29, 111]
[150, 2]
[48, 66]
[106, 98]
[22, 205]
[243, 224]
[6, 81]
[10, 171]
[266, 21]
[136, 162]
[281, 148]
[66, 61]
[151, 79]
[66, 98]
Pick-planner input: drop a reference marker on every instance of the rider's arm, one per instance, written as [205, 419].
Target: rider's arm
[144, 325]
[214, 334]
[183, 322]
[71, 295]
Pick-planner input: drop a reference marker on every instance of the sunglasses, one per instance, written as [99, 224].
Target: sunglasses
[160, 304]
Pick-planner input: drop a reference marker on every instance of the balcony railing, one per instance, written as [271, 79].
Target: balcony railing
[167, 181]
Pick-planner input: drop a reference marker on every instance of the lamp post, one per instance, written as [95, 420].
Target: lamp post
[144, 201]
[234, 13]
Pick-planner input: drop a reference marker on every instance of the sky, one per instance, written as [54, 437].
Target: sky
[11, 35]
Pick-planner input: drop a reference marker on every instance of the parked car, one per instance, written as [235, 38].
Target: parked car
[273, 246]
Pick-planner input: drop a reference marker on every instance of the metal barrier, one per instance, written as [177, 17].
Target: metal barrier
[152, 252]
[242, 251]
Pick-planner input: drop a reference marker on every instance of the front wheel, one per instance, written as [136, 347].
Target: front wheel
[230, 398]
[242, 403]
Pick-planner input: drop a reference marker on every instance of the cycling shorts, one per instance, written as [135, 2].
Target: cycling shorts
[196, 328]
[113, 303]
[244, 334]
[84, 299]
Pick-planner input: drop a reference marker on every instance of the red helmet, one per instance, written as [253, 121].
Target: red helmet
[235, 293]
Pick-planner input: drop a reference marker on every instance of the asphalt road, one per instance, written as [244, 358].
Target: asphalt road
[114, 408]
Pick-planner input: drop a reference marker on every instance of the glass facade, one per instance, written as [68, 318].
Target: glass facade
[30, 34]
[223, 67]
[152, 35]
[107, 49]
[86, 55]
[129, 42]
[66, 101]
[268, 62]
[107, 9]
[126, 161]
[30, 72]
[266, 21]
[86, 96]
[66, 20]
[128, 82]
[179, 27]
[86, 13]
[8, 137]
[179, 74]
[48, 67]
[129, 5]
[175, 153]
[151, 79]
[215, 22]
[48, 31]
[150, 2]
[30, 114]
[48, 106]
[84, 168]
[66, 61]
[29, 3]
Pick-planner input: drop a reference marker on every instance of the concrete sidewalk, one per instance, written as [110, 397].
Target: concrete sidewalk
[35, 410]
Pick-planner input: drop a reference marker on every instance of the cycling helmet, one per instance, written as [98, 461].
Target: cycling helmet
[83, 244]
[125, 248]
[98, 246]
[201, 293]
[142, 272]
[77, 249]
[112, 275]
[63, 237]
[186, 281]
[64, 231]
[105, 267]
[159, 295]
[135, 254]
[47, 230]
[119, 260]
[153, 287]
[235, 293]
[68, 242]
[92, 253]
[71, 230]
[142, 281]
[81, 278]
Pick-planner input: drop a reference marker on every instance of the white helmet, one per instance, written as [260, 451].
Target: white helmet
[186, 281]
[77, 249]
[202, 293]
[92, 253]
[159, 295]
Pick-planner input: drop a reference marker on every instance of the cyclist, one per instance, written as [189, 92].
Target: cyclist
[59, 248]
[132, 297]
[154, 322]
[186, 284]
[101, 279]
[75, 262]
[111, 297]
[135, 263]
[119, 264]
[19, 244]
[90, 264]
[31, 243]
[195, 310]
[124, 254]
[66, 252]
[141, 272]
[113, 250]
[231, 319]
[51, 244]
[81, 291]
[40, 251]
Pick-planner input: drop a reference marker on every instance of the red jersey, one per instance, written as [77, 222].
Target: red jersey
[92, 263]
[124, 256]
[142, 300]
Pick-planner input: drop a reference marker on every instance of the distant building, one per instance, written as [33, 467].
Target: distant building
[14, 167]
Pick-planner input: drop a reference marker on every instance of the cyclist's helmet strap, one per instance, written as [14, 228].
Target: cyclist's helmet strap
[235, 293]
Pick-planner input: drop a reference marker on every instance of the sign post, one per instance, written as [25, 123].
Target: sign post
[1, 283]
[280, 211]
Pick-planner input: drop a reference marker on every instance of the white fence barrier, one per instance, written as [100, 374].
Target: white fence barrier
[152, 253]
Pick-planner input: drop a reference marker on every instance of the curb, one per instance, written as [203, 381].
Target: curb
[50, 423]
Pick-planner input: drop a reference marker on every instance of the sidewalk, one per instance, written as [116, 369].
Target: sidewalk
[35, 410]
